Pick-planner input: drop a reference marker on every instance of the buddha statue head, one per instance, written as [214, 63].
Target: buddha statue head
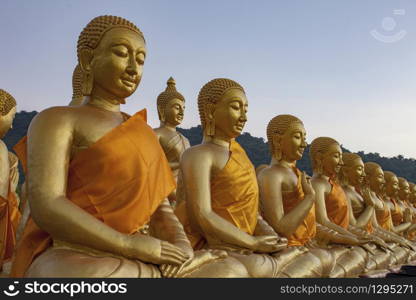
[352, 172]
[111, 53]
[326, 156]
[286, 137]
[392, 184]
[404, 189]
[170, 105]
[7, 112]
[77, 95]
[412, 195]
[374, 177]
[222, 106]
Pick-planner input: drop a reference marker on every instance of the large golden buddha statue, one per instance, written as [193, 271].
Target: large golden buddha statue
[222, 200]
[406, 207]
[171, 108]
[288, 202]
[9, 176]
[104, 177]
[332, 207]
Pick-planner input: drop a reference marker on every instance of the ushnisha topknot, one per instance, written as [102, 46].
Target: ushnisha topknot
[169, 94]
[7, 102]
[212, 92]
[91, 35]
[279, 125]
[320, 145]
[77, 83]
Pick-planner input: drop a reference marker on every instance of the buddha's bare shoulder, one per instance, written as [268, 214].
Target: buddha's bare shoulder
[198, 153]
[320, 183]
[55, 117]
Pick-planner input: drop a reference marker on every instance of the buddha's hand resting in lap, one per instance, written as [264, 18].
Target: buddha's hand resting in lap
[152, 250]
[269, 243]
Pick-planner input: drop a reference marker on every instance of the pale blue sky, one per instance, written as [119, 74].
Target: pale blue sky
[314, 59]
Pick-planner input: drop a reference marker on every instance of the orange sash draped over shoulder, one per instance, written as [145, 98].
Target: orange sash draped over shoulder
[21, 151]
[9, 220]
[396, 213]
[121, 179]
[307, 229]
[337, 205]
[234, 196]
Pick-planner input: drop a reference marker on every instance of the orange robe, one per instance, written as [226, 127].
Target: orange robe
[234, 196]
[121, 179]
[9, 220]
[337, 205]
[397, 213]
[21, 151]
[307, 229]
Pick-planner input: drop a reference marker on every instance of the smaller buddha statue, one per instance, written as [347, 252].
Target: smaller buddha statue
[376, 183]
[9, 177]
[288, 202]
[332, 207]
[171, 108]
[397, 208]
[221, 210]
[406, 207]
[362, 210]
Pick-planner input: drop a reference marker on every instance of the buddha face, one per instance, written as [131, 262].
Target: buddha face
[174, 111]
[392, 187]
[404, 190]
[117, 62]
[355, 172]
[230, 113]
[332, 160]
[6, 122]
[293, 142]
[376, 181]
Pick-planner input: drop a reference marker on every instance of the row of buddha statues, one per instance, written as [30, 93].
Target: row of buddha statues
[105, 195]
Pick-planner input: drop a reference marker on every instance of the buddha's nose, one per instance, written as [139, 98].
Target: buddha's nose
[132, 68]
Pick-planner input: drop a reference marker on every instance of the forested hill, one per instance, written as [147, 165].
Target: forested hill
[256, 148]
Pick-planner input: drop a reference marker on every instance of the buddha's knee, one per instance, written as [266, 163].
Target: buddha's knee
[306, 266]
[327, 260]
[258, 265]
[229, 267]
[351, 263]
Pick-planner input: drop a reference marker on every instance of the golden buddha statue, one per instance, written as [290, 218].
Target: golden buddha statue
[171, 107]
[96, 189]
[221, 207]
[406, 207]
[9, 177]
[77, 96]
[362, 208]
[376, 183]
[332, 207]
[412, 203]
[288, 202]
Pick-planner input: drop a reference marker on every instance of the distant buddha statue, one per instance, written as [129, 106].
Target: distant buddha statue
[288, 202]
[332, 207]
[171, 108]
[104, 177]
[406, 207]
[362, 208]
[9, 177]
[221, 210]
[376, 183]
